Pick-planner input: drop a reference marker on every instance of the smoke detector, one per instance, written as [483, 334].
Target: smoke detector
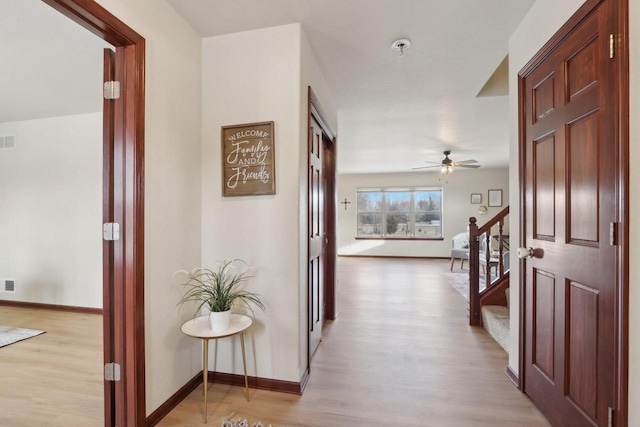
[401, 45]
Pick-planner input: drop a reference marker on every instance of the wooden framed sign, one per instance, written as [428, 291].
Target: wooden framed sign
[248, 160]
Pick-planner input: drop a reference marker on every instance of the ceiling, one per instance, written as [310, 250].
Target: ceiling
[394, 112]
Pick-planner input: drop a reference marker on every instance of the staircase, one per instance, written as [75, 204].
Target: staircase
[489, 249]
[495, 319]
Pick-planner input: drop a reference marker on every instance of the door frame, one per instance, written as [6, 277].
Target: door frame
[123, 286]
[315, 111]
[621, 8]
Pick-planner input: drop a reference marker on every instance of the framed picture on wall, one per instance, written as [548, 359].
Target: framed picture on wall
[476, 198]
[248, 159]
[495, 197]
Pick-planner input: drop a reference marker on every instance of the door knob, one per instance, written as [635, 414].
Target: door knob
[525, 253]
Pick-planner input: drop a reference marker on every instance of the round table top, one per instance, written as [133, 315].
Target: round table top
[200, 327]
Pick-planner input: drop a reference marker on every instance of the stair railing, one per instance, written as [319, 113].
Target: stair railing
[493, 258]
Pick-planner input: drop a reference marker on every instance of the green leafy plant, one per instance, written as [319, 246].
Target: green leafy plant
[219, 289]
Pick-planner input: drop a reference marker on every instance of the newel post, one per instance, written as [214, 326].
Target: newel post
[474, 273]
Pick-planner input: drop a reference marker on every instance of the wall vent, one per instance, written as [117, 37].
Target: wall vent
[7, 141]
[9, 285]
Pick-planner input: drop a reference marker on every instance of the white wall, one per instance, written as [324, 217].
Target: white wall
[542, 21]
[252, 77]
[457, 208]
[51, 216]
[172, 187]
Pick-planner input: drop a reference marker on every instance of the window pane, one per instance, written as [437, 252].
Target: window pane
[398, 225]
[369, 224]
[428, 225]
[398, 201]
[369, 213]
[428, 214]
[369, 201]
[428, 201]
[398, 218]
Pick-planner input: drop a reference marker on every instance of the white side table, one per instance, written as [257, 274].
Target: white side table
[200, 327]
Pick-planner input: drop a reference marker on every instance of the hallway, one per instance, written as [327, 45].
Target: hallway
[400, 353]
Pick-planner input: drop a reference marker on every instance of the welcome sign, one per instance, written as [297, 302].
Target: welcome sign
[248, 160]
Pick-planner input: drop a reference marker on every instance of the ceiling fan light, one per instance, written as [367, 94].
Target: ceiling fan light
[447, 165]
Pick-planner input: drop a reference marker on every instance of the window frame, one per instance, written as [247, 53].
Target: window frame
[384, 212]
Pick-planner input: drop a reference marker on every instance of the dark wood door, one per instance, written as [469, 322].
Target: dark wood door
[316, 235]
[570, 180]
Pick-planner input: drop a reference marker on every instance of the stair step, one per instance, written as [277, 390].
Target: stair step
[495, 319]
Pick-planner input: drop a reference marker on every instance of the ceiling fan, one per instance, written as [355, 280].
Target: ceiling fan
[447, 165]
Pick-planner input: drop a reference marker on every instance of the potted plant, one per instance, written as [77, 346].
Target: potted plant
[218, 290]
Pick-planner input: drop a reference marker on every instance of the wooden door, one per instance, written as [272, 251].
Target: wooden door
[316, 235]
[571, 201]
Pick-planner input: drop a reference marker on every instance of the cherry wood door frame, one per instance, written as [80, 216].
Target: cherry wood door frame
[329, 169]
[621, 10]
[316, 112]
[108, 121]
[123, 203]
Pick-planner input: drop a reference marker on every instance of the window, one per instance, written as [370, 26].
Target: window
[369, 213]
[414, 213]
[428, 213]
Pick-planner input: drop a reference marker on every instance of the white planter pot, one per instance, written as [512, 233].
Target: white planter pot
[220, 321]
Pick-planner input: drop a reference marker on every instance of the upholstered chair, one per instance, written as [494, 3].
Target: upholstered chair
[460, 248]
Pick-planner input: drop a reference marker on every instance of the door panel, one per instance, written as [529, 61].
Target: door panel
[316, 236]
[582, 68]
[544, 99]
[544, 193]
[544, 300]
[570, 186]
[582, 183]
[582, 344]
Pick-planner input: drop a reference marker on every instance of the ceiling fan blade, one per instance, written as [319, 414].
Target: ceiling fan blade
[465, 161]
[426, 167]
[433, 163]
[466, 166]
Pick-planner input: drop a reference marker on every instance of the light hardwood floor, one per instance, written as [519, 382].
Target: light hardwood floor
[399, 354]
[54, 379]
